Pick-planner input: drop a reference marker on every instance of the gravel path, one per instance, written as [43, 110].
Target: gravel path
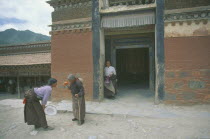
[99, 126]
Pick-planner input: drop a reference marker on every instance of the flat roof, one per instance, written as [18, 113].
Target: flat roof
[25, 59]
[22, 44]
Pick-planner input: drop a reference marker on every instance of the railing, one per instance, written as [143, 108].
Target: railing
[110, 3]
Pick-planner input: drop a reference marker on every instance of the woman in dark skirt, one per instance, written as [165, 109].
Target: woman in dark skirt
[34, 111]
[110, 81]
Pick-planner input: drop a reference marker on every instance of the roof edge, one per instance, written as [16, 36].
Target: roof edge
[22, 44]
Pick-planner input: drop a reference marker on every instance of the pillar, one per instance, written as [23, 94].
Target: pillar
[159, 51]
[96, 48]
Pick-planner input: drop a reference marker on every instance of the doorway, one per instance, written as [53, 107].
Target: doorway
[133, 57]
[133, 72]
[133, 66]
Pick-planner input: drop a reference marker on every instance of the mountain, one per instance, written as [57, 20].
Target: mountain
[12, 36]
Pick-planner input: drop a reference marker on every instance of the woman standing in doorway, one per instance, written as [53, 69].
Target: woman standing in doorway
[34, 111]
[110, 82]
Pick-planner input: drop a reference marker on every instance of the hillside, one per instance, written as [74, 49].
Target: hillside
[12, 36]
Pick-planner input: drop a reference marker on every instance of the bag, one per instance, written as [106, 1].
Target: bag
[113, 77]
[24, 101]
[107, 80]
[28, 93]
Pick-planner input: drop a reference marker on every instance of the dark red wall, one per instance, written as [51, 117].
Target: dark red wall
[187, 76]
[72, 53]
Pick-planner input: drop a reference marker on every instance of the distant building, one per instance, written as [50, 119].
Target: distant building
[24, 66]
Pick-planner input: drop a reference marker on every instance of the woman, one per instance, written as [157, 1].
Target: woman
[78, 98]
[33, 110]
[110, 81]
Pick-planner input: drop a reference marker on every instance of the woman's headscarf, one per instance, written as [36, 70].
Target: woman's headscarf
[71, 77]
[51, 81]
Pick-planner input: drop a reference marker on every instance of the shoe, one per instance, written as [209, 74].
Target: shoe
[81, 122]
[75, 119]
[49, 128]
[36, 126]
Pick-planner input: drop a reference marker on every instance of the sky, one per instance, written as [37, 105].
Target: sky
[34, 15]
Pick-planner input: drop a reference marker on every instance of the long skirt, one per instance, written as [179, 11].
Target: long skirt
[33, 111]
[110, 89]
[78, 106]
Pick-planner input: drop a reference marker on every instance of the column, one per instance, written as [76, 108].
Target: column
[159, 51]
[96, 48]
[18, 86]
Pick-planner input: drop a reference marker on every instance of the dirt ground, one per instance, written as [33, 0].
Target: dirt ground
[98, 126]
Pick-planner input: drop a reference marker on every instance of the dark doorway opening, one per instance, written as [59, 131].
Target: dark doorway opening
[133, 67]
[133, 73]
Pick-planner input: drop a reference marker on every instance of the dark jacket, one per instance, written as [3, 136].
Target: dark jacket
[77, 88]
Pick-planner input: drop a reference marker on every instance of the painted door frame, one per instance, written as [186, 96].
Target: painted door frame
[159, 50]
